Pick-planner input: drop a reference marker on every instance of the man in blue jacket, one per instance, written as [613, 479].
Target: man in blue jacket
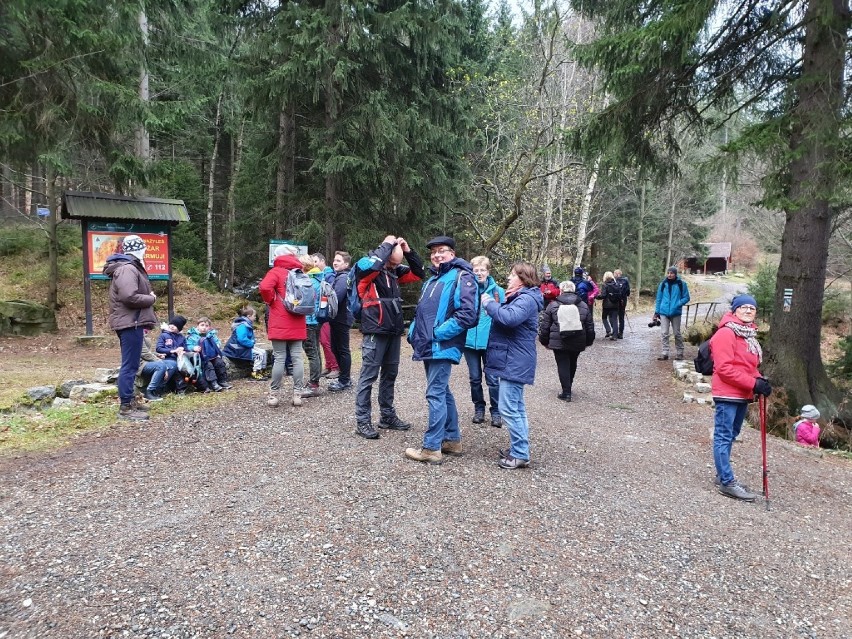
[672, 294]
[447, 308]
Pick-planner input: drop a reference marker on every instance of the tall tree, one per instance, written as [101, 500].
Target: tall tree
[669, 65]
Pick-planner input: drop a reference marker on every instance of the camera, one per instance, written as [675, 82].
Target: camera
[654, 322]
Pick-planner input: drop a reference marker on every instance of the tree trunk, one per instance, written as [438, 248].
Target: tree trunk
[286, 177]
[232, 206]
[52, 240]
[143, 143]
[639, 243]
[794, 341]
[211, 184]
[584, 214]
[671, 225]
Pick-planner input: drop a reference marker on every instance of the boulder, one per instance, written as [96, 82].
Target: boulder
[106, 375]
[62, 403]
[40, 393]
[92, 392]
[695, 378]
[66, 386]
[683, 373]
[20, 317]
[702, 387]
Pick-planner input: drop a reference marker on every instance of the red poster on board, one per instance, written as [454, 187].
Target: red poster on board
[105, 240]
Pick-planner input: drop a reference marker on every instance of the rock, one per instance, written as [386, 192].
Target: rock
[688, 398]
[527, 607]
[64, 389]
[389, 620]
[40, 393]
[19, 317]
[695, 378]
[681, 364]
[62, 403]
[106, 375]
[702, 387]
[92, 392]
[682, 373]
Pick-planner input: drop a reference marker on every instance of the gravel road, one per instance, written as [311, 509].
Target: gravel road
[257, 522]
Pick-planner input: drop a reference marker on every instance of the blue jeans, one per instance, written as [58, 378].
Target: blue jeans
[728, 423]
[160, 372]
[514, 413]
[130, 340]
[475, 364]
[379, 354]
[443, 415]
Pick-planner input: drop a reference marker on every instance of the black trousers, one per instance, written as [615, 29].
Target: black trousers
[566, 364]
[340, 348]
[622, 311]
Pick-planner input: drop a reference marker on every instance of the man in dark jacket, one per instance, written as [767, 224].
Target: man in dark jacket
[447, 308]
[378, 276]
[624, 285]
[340, 324]
[131, 311]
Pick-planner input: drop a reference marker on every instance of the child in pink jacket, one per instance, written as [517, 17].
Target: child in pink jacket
[806, 429]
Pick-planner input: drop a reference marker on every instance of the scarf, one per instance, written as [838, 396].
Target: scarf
[749, 334]
[515, 289]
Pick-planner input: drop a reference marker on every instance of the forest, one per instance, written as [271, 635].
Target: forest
[607, 133]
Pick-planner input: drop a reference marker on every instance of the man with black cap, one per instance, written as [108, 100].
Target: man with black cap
[672, 294]
[448, 307]
[131, 311]
[378, 276]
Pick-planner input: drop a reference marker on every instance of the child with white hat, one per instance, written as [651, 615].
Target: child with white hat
[806, 429]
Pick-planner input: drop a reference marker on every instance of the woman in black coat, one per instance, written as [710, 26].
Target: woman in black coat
[567, 332]
[611, 298]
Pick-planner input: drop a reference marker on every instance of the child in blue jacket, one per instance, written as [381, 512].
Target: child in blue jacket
[204, 340]
[242, 344]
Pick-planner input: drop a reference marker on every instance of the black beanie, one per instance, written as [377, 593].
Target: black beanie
[179, 321]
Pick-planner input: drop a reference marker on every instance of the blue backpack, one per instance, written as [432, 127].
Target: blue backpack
[353, 301]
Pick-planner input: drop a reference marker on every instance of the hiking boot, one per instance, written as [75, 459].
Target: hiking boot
[259, 376]
[336, 386]
[425, 455]
[272, 399]
[366, 430]
[736, 491]
[451, 448]
[216, 388]
[139, 404]
[330, 374]
[620, 336]
[679, 356]
[718, 482]
[393, 423]
[662, 358]
[496, 420]
[565, 397]
[478, 417]
[226, 386]
[297, 398]
[512, 463]
[151, 396]
[311, 390]
[128, 411]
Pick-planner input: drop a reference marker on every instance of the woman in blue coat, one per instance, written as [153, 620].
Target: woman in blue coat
[512, 355]
[477, 341]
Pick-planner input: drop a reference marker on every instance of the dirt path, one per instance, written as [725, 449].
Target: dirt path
[253, 522]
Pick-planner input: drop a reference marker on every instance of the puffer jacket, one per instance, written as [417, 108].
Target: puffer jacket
[168, 342]
[282, 325]
[549, 289]
[548, 331]
[735, 369]
[511, 353]
[448, 306]
[242, 340]
[378, 288]
[671, 296]
[340, 283]
[807, 433]
[131, 300]
[209, 343]
[477, 337]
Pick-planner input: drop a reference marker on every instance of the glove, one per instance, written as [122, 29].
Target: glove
[762, 387]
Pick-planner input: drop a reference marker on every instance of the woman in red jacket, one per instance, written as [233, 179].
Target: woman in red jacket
[286, 330]
[736, 356]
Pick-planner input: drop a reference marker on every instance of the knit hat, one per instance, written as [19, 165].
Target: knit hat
[135, 246]
[441, 239]
[672, 269]
[545, 268]
[285, 249]
[179, 321]
[740, 300]
[579, 270]
[809, 411]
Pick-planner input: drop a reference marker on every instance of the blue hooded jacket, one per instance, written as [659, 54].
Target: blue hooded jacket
[477, 337]
[671, 296]
[447, 308]
[241, 341]
[511, 353]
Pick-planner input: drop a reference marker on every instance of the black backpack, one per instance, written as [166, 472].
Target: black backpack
[704, 360]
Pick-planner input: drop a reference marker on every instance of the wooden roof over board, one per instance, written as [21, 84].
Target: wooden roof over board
[78, 205]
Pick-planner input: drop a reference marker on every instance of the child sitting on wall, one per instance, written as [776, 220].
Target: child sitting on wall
[203, 339]
[242, 344]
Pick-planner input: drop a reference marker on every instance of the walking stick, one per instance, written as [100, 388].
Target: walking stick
[762, 403]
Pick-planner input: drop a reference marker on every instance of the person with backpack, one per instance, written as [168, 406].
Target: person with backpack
[447, 308]
[610, 301]
[624, 284]
[332, 368]
[341, 323]
[736, 356]
[582, 288]
[375, 288]
[567, 329]
[672, 295]
[313, 326]
[286, 329]
[549, 287]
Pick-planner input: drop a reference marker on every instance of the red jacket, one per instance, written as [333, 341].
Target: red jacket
[283, 325]
[734, 367]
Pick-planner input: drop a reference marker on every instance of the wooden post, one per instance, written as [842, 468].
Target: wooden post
[171, 285]
[87, 283]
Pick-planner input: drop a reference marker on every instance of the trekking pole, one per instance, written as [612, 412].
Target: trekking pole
[762, 403]
[627, 317]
